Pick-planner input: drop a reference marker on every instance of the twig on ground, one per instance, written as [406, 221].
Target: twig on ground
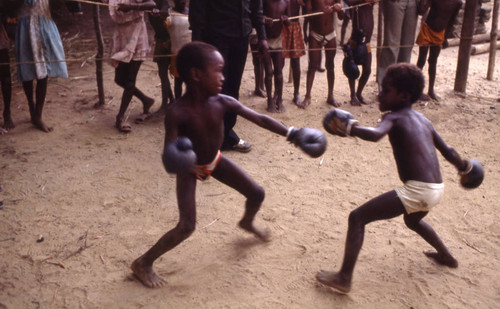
[210, 223]
[472, 246]
[57, 263]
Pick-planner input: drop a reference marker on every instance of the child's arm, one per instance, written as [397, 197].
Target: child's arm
[376, 133]
[449, 28]
[261, 120]
[311, 141]
[448, 152]
[342, 123]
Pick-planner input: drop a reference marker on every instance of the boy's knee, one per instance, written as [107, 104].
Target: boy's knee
[186, 228]
[257, 195]
[354, 218]
[312, 68]
[432, 61]
[411, 223]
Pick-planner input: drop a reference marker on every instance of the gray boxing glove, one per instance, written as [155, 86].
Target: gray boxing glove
[178, 156]
[311, 141]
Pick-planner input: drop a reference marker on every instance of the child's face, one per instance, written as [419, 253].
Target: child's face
[389, 97]
[213, 77]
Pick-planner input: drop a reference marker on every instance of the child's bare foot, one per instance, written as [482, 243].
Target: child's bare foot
[362, 100]
[8, 124]
[146, 275]
[443, 259]
[305, 103]
[38, 123]
[3, 131]
[142, 118]
[160, 112]
[434, 96]
[296, 98]
[280, 106]
[259, 92]
[424, 97]
[331, 101]
[271, 107]
[123, 126]
[261, 233]
[334, 280]
[355, 101]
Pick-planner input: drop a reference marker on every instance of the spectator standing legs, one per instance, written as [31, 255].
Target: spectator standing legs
[400, 23]
[234, 51]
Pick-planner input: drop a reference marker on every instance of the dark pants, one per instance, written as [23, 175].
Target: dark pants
[234, 51]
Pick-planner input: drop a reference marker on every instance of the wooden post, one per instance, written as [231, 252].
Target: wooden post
[380, 31]
[493, 41]
[465, 45]
[99, 55]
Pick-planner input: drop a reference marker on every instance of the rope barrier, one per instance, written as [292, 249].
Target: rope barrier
[172, 55]
[321, 13]
[92, 2]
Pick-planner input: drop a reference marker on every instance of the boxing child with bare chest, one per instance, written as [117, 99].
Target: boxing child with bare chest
[194, 132]
[413, 140]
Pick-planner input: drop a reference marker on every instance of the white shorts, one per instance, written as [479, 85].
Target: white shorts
[419, 196]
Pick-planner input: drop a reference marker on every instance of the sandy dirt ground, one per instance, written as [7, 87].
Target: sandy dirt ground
[100, 198]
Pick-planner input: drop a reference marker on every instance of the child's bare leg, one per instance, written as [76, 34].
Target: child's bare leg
[143, 266]
[278, 63]
[268, 80]
[416, 223]
[314, 63]
[433, 56]
[422, 56]
[352, 87]
[166, 91]
[41, 91]
[28, 91]
[385, 206]
[258, 70]
[235, 177]
[366, 67]
[330, 71]
[8, 124]
[295, 64]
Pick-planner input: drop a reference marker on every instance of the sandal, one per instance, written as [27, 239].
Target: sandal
[142, 118]
[123, 126]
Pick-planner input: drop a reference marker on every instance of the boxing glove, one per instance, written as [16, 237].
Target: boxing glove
[178, 156]
[339, 122]
[473, 175]
[311, 141]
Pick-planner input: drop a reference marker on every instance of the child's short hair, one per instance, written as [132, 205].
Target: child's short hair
[406, 77]
[193, 55]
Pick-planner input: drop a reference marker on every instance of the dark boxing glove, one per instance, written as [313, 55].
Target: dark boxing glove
[339, 122]
[311, 141]
[473, 175]
[179, 156]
